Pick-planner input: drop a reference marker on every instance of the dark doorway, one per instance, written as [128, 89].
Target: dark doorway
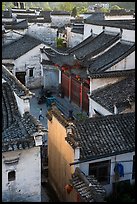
[21, 77]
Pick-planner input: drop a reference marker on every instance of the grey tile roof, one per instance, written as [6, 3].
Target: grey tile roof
[96, 45]
[19, 24]
[117, 73]
[97, 16]
[81, 44]
[100, 137]
[124, 24]
[117, 93]
[88, 187]
[14, 83]
[17, 131]
[78, 28]
[60, 12]
[110, 57]
[20, 133]
[19, 47]
[46, 15]
[105, 136]
[87, 49]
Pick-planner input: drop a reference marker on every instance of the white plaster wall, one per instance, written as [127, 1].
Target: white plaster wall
[125, 64]
[74, 39]
[118, 17]
[102, 82]
[29, 60]
[27, 185]
[95, 28]
[125, 159]
[60, 20]
[20, 103]
[51, 76]
[128, 35]
[43, 32]
[93, 105]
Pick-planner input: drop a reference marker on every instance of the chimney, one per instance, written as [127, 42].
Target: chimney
[115, 109]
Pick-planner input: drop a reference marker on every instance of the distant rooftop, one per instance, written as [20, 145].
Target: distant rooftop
[119, 93]
[125, 24]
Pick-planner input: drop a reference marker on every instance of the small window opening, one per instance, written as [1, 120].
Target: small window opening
[31, 73]
[11, 176]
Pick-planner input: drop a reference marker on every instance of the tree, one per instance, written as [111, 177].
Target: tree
[116, 7]
[74, 12]
[66, 6]
[46, 6]
[104, 10]
[3, 6]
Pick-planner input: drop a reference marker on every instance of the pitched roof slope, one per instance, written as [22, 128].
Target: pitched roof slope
[88, 187]
[17, 131]
[117, 93]
[105, 136]
[125, 24]
[110, 57]
[14, 83]
[19, 47]
[89, 48]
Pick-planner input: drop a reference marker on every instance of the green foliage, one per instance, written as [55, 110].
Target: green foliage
[9, 5]
[46, 6]
[104, 10]
[74, 12]
[59, 42]
[81, 116]
[116, 7]
[82, 10]
[3, 6]
[66, 6]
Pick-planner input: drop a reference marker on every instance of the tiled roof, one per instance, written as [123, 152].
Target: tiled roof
[19, 24]
[102, 136]
[60, 13]
[20, 133]
[115, 54]
[17, 131]
[19, 47]
[117, 73]
[117, 93]
[14, 83]
[60, 116]
[96, 45]
[81, 44]
[87, 49]
[88, 187]
[78, 28]
[125, 24]
[105, 136]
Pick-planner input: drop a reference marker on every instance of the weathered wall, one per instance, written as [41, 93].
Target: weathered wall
[125, 159]
[60, 154]
[27, 183]
[31, 59]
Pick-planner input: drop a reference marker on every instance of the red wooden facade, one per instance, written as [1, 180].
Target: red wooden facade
[65, 83]
[78, 92]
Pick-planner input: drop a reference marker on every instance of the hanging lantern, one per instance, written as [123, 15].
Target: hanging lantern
[68, 188]
[64, 68]
[77, 77]
[56, 65]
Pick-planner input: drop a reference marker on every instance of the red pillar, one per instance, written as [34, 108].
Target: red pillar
[70, 88]
[81, 90]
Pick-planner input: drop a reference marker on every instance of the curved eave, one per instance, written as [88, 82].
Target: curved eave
[14, 83]
[110, 64]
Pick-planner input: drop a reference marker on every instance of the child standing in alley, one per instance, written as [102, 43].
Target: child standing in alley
[40, 114]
